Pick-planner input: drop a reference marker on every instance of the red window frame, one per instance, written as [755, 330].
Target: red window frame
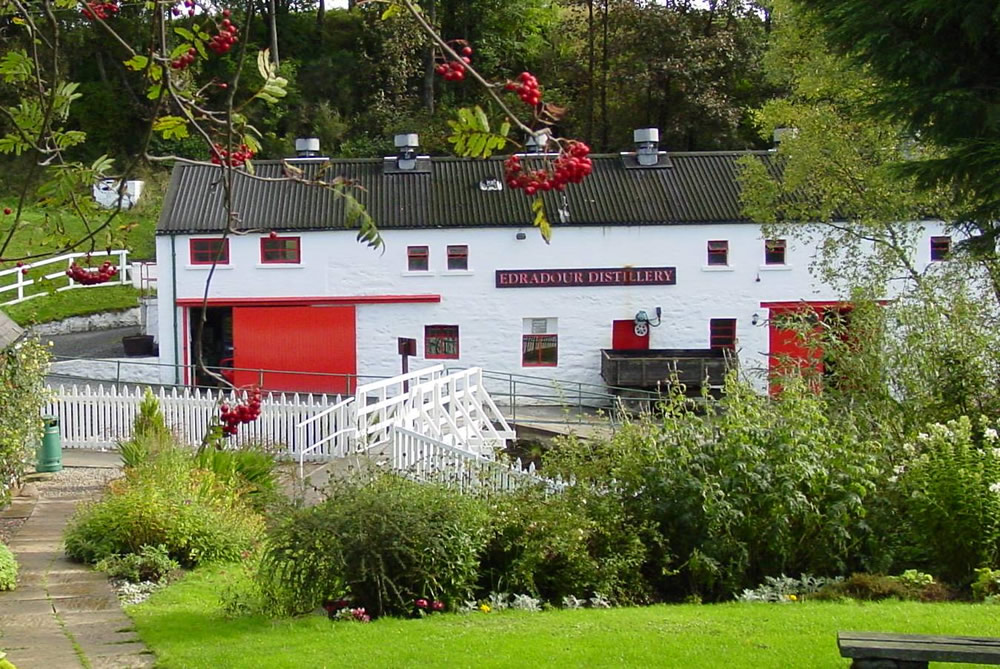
[940, 247]
[718, 252]
[722, 333]
[533, 355]
[458, 257]
[774, 251]
[205, 251]
[441, 342]
[417, 259]
[279, 250]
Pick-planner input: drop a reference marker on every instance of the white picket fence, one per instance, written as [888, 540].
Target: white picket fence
[100, 417]
[18, 282]
[423, 458]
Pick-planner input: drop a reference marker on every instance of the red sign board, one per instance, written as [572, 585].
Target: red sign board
[601, 276]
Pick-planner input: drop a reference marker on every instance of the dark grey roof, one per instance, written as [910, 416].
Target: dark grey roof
[695, 188]
[9, 331]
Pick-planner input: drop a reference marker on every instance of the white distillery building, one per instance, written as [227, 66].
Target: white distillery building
[465, 275]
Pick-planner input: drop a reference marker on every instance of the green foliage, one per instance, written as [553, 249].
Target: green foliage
[249, 469]
[80, 302]
[151, 563]
[8, 569]
[949, 494]
[987, 584]
[149, 433]
[759, 487]
[471, 134]
[166, 501]
[380, 538]
[22, 396]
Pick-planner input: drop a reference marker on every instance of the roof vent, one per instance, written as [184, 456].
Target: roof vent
[647, 144]
[407, 145]
[538, 142]
[307, 147]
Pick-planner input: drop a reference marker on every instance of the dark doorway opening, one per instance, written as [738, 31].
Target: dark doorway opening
[216, 344]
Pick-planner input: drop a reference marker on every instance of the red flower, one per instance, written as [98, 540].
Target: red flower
[437, 605]
[421, 603]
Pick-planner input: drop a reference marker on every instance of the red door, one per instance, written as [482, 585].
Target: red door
[787, 347]
[285, 340]
[623, 337]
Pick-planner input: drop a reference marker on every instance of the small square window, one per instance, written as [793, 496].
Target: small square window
[539, 350]
[417, 259]
[441, 341]
[458, 257]
[275, 250]
[208, 251]
[940, 248]
[718, 252]
[774, 252]
[722, 333]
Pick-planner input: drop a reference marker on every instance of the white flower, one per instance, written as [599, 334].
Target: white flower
[995, 487]
[996, 452]
[893, 479]
[923, 436]
[990, 434]
[899, 469]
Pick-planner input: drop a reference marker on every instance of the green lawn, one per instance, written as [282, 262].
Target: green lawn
[184, 627]
[77, 302]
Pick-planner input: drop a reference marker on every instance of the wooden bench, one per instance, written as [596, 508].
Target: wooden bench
[874, 650]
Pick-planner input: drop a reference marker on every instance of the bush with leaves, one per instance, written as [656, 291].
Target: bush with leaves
[166, 501]
[381, 540]
[760, 486]
[151, 563]
[8, 569]
[949, 500]
[149, 433]
[250, 469]
[22, 396]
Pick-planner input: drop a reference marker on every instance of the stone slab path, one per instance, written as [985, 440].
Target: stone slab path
[63, 614]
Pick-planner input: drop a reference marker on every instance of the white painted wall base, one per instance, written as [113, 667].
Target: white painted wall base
[102, 321]
[115, 370]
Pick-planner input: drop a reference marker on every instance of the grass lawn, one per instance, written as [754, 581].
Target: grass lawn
[184, 627]
[77, 302]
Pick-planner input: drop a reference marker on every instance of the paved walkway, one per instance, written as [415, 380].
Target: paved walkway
[62, 614]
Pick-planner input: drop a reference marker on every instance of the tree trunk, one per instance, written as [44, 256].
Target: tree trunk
[605, 124]
[320, 17]
[273, 23]
[431, 13]
[591, 70]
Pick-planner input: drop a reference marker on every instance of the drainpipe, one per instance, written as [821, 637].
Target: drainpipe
[173, 298]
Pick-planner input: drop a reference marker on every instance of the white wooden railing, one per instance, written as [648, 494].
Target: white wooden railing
[99, 417]
[16, 282]
[423, 458]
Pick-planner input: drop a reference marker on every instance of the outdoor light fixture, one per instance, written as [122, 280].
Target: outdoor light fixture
[755, 319]
[520, 236]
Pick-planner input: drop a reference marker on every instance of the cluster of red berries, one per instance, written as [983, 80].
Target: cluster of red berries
[224, 40]
[245, 412]
[527, 89]
[455, 70]
[88, 276]
[185, 59]
[99, 10]
[571, 167]
[190, 8]
[236, 159]
[7, 211]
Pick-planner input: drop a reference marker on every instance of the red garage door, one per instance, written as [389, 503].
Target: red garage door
[295, 339]
[788, 348]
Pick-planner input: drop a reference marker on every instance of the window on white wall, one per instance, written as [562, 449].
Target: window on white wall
[441, 342]
[774, 252]
[417, 259]
[722, 333]
[718, 252]
[540, 343]
[940, 248]
[458, 257]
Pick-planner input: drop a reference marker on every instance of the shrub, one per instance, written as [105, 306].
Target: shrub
[151, 563]
[987, 584]
[8, 569]
[22, 396]
[249, 469]
[166, 502]
[149, 433]
[381, 539]
[949, 495]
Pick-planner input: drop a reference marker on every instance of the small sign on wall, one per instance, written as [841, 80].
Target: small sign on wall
[601, 276]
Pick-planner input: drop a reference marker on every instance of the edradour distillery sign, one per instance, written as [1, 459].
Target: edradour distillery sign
[601, 276]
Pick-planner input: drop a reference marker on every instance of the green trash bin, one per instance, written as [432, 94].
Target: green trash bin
[49, 455]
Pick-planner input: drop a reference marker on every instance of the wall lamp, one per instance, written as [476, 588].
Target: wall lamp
[755, 319]
[643, 323]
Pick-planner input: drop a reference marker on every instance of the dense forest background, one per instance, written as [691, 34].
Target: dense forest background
[693, 69]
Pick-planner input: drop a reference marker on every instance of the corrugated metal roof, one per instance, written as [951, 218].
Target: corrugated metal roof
[696, 188]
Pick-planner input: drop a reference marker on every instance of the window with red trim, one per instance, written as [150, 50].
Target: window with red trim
[718, 252]
[276, 250]
[940, 248]
[539, 350]
[458, 257]
[208, 251]
[441, 341]
[722, 333]
[774, 252]
[417, 259]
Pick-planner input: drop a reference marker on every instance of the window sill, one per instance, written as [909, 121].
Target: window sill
[776, 268]
[457, 272]
[280, 265]
[717, 268]
[208, 266]
[529, 366]
[420, 273]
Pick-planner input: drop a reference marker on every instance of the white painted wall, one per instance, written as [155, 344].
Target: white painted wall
[490, 319]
